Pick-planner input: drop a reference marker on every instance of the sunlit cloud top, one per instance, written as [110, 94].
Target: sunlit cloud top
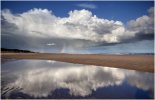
[43, 25]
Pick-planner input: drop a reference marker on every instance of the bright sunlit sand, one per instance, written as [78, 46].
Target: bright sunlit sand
[77, 49]
[133, 62]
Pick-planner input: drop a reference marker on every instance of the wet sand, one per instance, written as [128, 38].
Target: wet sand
[132, 62]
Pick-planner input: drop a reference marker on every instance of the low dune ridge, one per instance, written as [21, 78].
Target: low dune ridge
[132, 62]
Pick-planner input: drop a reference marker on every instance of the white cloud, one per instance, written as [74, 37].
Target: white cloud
[81, 24]
[144, 24]
[50, 44]
[86, 5]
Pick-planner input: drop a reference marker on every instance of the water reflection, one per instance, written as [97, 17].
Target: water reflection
[42, 78]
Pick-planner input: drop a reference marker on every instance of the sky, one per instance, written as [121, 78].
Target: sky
[78, 26]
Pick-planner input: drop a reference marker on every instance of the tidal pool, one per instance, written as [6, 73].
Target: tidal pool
[52, 79]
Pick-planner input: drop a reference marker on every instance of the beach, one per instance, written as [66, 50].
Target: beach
[133, 62]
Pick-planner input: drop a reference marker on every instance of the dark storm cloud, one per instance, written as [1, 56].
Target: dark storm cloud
[12, 40]
[72, 34]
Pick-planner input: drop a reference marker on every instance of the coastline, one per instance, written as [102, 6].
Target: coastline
[132, 62]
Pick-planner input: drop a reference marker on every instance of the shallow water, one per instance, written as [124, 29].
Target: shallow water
[52, 79]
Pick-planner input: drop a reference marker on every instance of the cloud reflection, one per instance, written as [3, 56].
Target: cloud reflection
[141, 80]
[41, 81]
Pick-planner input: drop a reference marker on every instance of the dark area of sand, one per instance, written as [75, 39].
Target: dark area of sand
[133, 62]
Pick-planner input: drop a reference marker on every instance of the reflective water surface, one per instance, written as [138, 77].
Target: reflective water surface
[52, 79]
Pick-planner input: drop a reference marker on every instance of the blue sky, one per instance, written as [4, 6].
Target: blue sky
[112, 10]
[76, 30]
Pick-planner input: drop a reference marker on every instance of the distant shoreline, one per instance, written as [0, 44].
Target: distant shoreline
[6, 50]
[133, 62]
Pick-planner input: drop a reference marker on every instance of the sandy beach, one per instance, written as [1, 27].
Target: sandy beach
[132, 62]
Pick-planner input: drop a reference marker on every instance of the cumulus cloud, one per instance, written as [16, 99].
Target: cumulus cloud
[86, 5]
[144, 24]
[80, 25]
